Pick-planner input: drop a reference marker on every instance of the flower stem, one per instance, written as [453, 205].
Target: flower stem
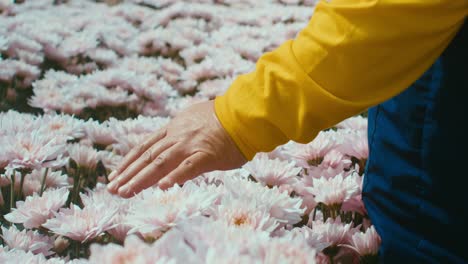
[12, 191]
[76, 185]
[20, 193]
[332, 212]
[77, 249]
[44, 177]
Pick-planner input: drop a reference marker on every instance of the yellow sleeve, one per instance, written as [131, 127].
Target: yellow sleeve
[353, 54]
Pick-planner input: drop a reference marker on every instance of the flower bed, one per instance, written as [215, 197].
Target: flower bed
[81, 83]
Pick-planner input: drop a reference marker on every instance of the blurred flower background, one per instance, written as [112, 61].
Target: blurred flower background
[82, 82]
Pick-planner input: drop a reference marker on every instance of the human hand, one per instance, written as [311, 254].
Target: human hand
[192, 143]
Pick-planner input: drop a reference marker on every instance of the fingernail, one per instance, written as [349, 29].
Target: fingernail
[124, 190]
[112, 175]
[112, 186]
[162, 184]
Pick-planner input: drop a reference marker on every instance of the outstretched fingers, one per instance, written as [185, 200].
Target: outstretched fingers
[136, 152]
[188, 169]
[162, 165]
[146, 158]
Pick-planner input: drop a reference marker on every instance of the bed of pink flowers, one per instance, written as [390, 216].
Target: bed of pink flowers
[81, 83]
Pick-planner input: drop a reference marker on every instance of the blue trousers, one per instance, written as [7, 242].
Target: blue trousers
[416, 180]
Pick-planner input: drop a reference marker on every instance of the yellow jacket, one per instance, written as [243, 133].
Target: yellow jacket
[352, 55]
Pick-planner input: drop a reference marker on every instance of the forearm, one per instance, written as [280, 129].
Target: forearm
[350, 57]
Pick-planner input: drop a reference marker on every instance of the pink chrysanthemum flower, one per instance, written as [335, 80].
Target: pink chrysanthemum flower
[109, 159]
[366, 243]
[284, 250]
[206, 241]
[313, 239]
[13, 122]
[98, 133]
[139, 125]
[217, 177]
[282, 207]
[196, 53]
[214, 242]
[336, 190]
[128, 142]
[355, 144]
[84, 156]
[147, 65]
[20, 256]
[82, 224]
[281, 152]
[321, 258]
[133, 251]
[308, 199]
[313, 153]
[333, 163]
[354, 204]
[27, 240]
[61, 125]
[333, 232]
[273, 172]
[100, 195]
[16, 68]
[33, 181]
[244, 214]
[354, 123]
[213, 88]
[36, 210]
[175, 105]
[5, 178]
[154, 211]
[34, 150]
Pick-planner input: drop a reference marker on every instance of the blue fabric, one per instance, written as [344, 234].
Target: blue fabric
[416, 180]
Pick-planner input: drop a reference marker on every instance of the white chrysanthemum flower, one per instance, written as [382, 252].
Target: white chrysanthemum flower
[336, 190]
[273, 172]
[36, 210]
[282, 207]
[27, 240]
[154, 211]
[82, 224]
